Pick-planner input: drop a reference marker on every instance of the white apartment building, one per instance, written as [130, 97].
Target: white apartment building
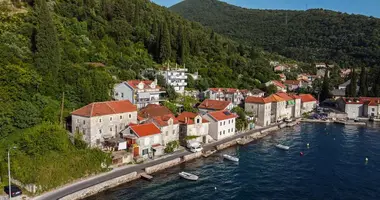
[138, 92]
[233, 95]
[175, 77]
[260, 108]
[222, 124]
[192, 124]
[103, 120]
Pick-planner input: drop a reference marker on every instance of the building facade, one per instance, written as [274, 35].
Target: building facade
[100, 121]
[233, 95]
[175, 77]
[140, 93]
[168, 126]
[193, 125]
[260, 108]
[309, 103]
[280, 87]
[222, 124]
[360, 107]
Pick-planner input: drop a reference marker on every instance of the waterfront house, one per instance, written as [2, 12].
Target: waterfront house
[102, 121]
[175, 77]
[222, 124]
[360, 107]
[233, 95]
[193, 125]
[278, 108]
[145, 140]
[260, 108]
[169, 127]
[293, 84]
[139, 92]
[297, 105]
[210, 105]
[309, 103]
[289, 105]
[153, 110]
[280, 87]
[257, 93]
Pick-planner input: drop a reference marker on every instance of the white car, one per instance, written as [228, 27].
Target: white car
[196, 149]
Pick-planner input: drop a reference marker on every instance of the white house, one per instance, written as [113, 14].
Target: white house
[192, 124]
[278, 108]
[280, 87]
[175, 77]
[233, 95]
[309, 103]
[169, 127]
[260, 108]
[222, 124]
[297, 106]
[209, 105]
[140, 93]
[360, 107]
[145, 139]
[103, 120]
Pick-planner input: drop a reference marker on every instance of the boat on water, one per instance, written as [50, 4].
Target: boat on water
[188, 176]
[232, 158]
[280, 146]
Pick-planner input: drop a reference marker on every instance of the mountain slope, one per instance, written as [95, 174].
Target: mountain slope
[313, 35]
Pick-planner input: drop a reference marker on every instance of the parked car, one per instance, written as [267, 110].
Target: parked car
[15, 190]
[194, 146]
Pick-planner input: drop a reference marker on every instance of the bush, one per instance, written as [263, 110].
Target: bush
[171, 146]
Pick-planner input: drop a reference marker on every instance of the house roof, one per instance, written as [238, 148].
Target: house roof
[164, 120]
[224, 90]
[284, 96]
[278, 84]
[294, 96]
[307, 98]
[142, 130]
[153, 110]
[352, 100]
[258, 100]
[222, 115]
[257, 91]
[292, 82]
[275, 98]
[210, 104]
[188, 118]
[105, 108]
[147, 84]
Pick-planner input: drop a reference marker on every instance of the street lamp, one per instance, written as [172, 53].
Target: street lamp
[9, 172]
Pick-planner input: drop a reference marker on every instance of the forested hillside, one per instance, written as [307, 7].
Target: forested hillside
[74, 51]
[313, 36]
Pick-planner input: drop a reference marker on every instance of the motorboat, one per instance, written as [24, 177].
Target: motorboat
[188, 176]
[280, 146]
[232, 158]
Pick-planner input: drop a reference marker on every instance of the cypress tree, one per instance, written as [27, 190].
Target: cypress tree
[351, 88]
[325, 92]
[47, 55]
[165, 47]
[181, 46]
[363, 90]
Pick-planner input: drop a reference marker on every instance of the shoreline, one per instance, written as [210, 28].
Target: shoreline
[102, 182]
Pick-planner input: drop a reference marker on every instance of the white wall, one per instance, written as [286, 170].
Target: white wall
[221, 129]
[308, 106]
[260, 111]
[354, 110]
[198, 129]
[147, 142]
[297, 108]
[169, 133]
[123, 92]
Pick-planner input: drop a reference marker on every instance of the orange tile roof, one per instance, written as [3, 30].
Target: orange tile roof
[275, 98]
[105, 108]
[294, 96]
[153, 110]
[188, 118]
[143, 130]
[135, 83]
[222, 115]
[307, 98]
[292, 82]
[284, 96]
[260, 100]
[214, 104]
[278, 84]
[164, 120]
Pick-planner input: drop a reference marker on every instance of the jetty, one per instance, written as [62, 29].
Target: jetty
[146, 176]
[351, 123]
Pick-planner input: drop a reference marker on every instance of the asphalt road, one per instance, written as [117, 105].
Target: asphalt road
[75, 187]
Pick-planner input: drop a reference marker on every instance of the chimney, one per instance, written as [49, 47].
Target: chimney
[186, 120]
[206, 103]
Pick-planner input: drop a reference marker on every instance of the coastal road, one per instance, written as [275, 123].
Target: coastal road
[69, 189]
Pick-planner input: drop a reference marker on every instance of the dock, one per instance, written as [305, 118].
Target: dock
[351, 123]
[146, 176]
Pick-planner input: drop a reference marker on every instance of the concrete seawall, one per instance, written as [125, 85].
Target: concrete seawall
[162, 166]
[101, 187]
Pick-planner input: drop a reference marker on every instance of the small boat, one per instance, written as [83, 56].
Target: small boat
[280, 146]
[188, 176]
[288, 120]
[228, 157]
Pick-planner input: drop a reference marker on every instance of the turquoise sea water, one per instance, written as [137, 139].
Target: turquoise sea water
[333, 167]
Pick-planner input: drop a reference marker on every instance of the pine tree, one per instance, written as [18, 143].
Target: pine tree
[47, 56]
[165, 47]
[363, 90]
[181, 45]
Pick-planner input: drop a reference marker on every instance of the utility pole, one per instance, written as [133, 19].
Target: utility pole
[62, 106]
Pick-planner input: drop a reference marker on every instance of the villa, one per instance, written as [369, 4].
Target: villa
[222, 124]
[193, 125]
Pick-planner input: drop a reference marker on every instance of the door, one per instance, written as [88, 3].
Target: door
[136, 151]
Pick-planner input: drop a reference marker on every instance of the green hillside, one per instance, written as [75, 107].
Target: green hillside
[313, 36]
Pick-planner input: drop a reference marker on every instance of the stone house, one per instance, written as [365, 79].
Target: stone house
[101, 121]
[192, 124]
[233, 95]
[260, 108]
[278, 108]
[222, 124]
[210, 105]
[168, 126]
[309, 103]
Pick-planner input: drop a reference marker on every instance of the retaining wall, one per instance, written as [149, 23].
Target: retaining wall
[101, 186]
[275, 128]
[159, 167]
[226, 145]
[192, 156]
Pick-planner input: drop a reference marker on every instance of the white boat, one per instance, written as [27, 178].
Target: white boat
[280, 146]
[228, 157]
[288, 120]
[188, 176]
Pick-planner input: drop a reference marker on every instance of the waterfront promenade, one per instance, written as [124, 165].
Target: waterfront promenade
[118, 172]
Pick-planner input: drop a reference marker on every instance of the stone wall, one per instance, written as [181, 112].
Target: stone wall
[101, 186]
[226, 145]
[162, 166]
[192, 156]
[270, 129]
[32, 188]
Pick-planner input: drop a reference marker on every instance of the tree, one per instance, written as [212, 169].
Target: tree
[165, 47]
[271, 89]
[351, 88]
[241, 121]
[363, 83]
[47, 55]
[325, 91]
[181, 49]
[190, 82]
[171, 106]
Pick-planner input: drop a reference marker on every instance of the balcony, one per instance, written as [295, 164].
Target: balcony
[182, 77]
[178, 83]
[148, 100]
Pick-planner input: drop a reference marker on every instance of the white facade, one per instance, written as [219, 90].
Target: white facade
[220, 129]
[308, 106]
[145, 144]
[297, 108]
[140, 93]
[354, 110]
[261, 111]
[228, 94]
[176, 77]
[170, 132]
[279, 109]
[96, 129]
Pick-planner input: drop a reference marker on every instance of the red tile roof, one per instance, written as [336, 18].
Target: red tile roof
[222, 115]
[275, 98]
[135, 83]
[153, 110]
[294, 96]
[260, 100]
[292, 82]
[214, 104]
[164, 120]
[105, 108]
[278, 84]
[224, 90]
[188, 118]
[284, 96]
[142, 130]
[307, 98]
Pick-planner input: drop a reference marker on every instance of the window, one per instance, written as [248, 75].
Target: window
[198, 121]
[100, 131]
[229, 122]
[220, 123]
[78, 121]
[228, 130]
[224, 123]
[232, 120]
[145, 151]
[373, 109]
[167, 133]
[110, 128]
[100, 120]
[84, 122]
[117, 94]
[224, 132]
[130, 116]
[110, 119]
[122, 95]
[121, 117]
[173, 132]
[220, 133]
